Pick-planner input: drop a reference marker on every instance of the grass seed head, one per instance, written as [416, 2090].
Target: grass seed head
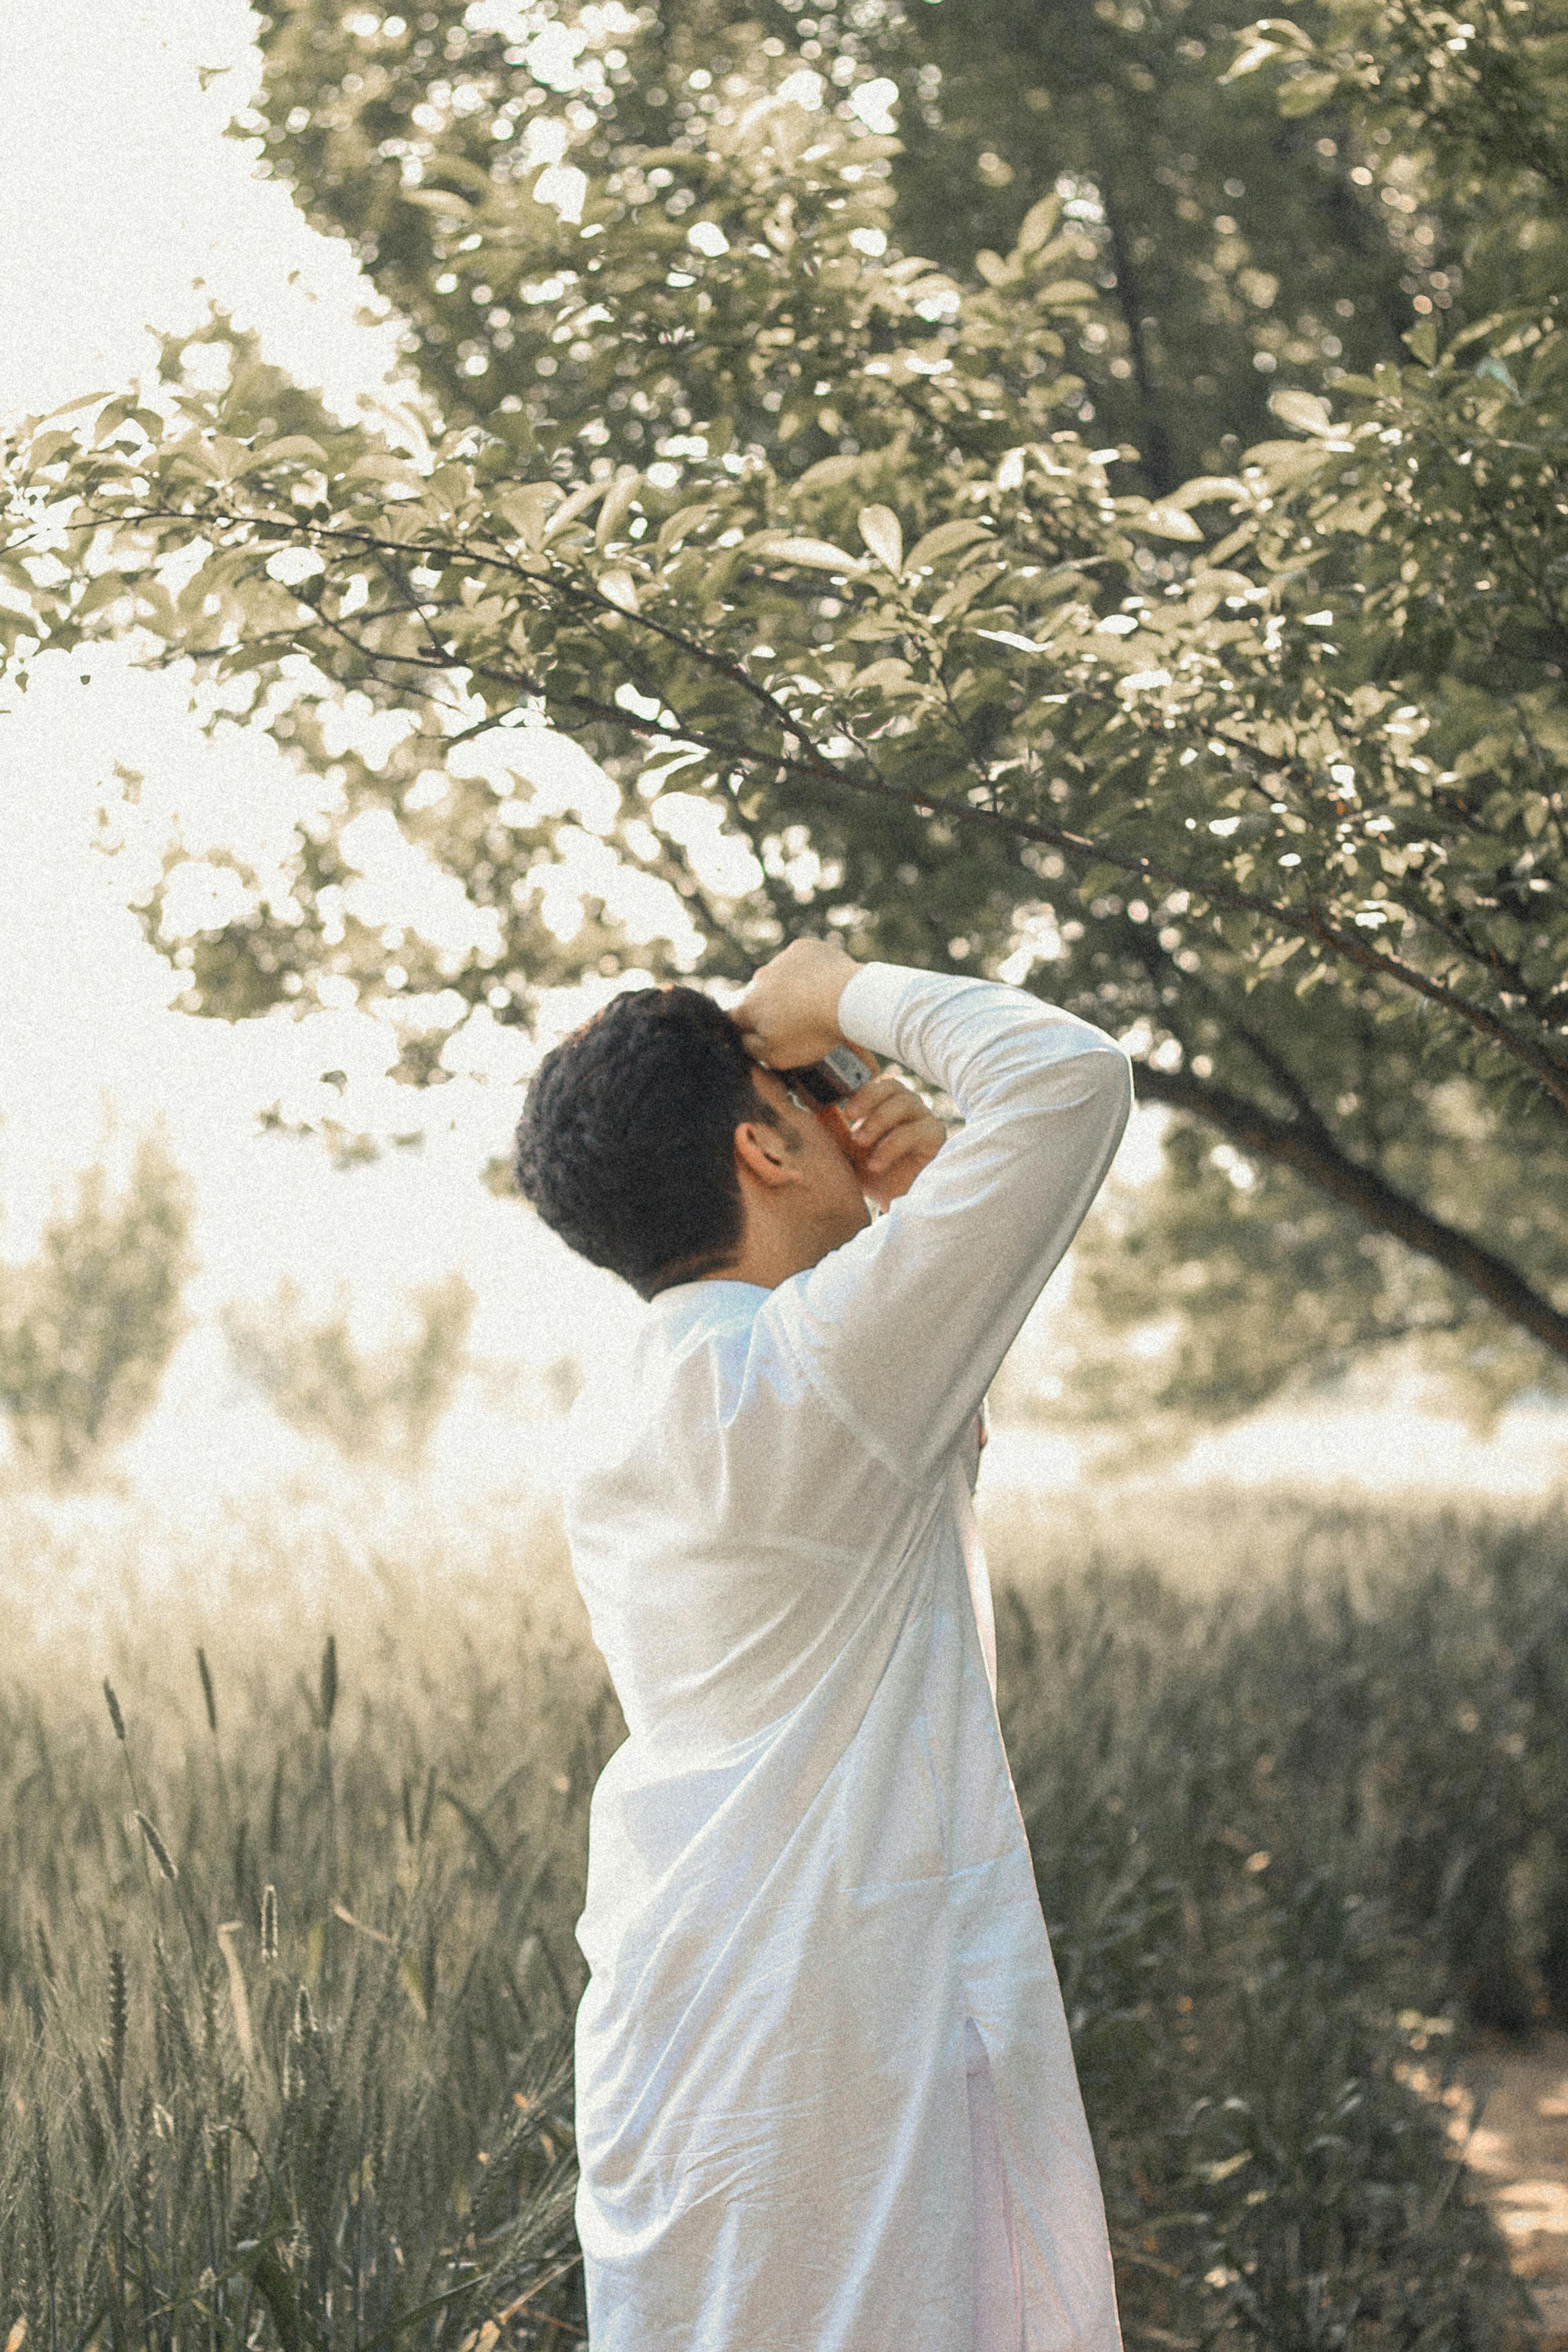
[119, 2016]
[116, 1718]
[269, 1924]
[44, 2182]
[158, 1849]
[142, 2177]
[239, 1997]
[209, 1699]
[329, 1681]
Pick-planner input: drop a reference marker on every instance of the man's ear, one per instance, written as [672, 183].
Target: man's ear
[763, 1151]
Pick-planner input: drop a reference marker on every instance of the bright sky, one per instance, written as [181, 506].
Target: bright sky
[147, 215]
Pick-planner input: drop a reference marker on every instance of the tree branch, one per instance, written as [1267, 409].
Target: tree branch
[1308, 1115]
[1308, 921]
[1313, 1154]
[1159, 459]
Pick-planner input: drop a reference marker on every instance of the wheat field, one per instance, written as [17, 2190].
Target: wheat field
[294, 1820]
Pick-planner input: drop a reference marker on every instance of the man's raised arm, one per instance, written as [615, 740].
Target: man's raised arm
[906, 1325]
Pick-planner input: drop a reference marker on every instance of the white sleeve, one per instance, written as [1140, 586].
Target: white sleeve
[904, 1327]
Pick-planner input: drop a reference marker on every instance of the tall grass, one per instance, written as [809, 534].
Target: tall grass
[1292, 1839]
[287, 1971]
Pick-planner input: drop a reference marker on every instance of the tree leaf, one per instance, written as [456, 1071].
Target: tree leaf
[1256, 53]
[1167, 520]
[617, 504]
[578, 503]
[1304, 94]
[945, 539]
[1011, 638]
[377, 467]
[294, 449]
[828, 473]
[1269, 37]
[1038, 224]
[70, 407]
[816, 554]
[1304, 410]
[681, 525]
[1498, 371]
[964, 591]
[439, 200]
[46, 448]
[1205, 487]
[1359, 513]
[527, 506]
[887, 675]
[880, 529]
[620, 588]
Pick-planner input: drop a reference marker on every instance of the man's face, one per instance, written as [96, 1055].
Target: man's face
[830, 1183]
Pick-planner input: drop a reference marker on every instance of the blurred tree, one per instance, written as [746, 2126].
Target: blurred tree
[1232, 252]
[1229, 1283]
[88, 1326]
[1467, 113]
[561, 1382]
[1238, 253]
[380, 1405]
[800, 537]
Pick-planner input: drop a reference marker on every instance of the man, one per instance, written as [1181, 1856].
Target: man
[826, 2096]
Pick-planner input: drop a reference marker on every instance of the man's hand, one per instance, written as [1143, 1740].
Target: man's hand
[892, 1135]
[789, 1015]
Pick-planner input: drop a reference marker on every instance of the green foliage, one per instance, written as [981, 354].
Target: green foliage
[1289, 1836]
[802, 538]
[1219, 235]
[1237, 1281]
[381, 1405]
[1226, 246]
[1476, 101]
[86, 1327]
[1236, 254]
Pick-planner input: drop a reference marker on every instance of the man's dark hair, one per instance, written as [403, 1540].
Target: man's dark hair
[626, 1143]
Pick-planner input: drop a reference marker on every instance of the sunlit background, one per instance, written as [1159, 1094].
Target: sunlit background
[154, 215]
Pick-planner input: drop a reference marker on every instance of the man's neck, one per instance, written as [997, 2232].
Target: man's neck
[768, 1258]
[764, 1261]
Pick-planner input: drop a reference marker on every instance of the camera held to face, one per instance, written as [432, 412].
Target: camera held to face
[821, 1086]
[826, 1083]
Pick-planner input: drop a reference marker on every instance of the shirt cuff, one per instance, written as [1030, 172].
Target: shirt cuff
[868, 1008]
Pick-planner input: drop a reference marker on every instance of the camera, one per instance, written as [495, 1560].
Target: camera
[826, 1083]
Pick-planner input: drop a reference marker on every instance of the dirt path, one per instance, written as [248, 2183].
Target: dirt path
[1512, 2104]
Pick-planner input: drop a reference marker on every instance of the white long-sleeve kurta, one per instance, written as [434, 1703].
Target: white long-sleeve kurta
[822, 2041]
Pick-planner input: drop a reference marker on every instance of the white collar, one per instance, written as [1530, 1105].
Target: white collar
[681, 1297]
